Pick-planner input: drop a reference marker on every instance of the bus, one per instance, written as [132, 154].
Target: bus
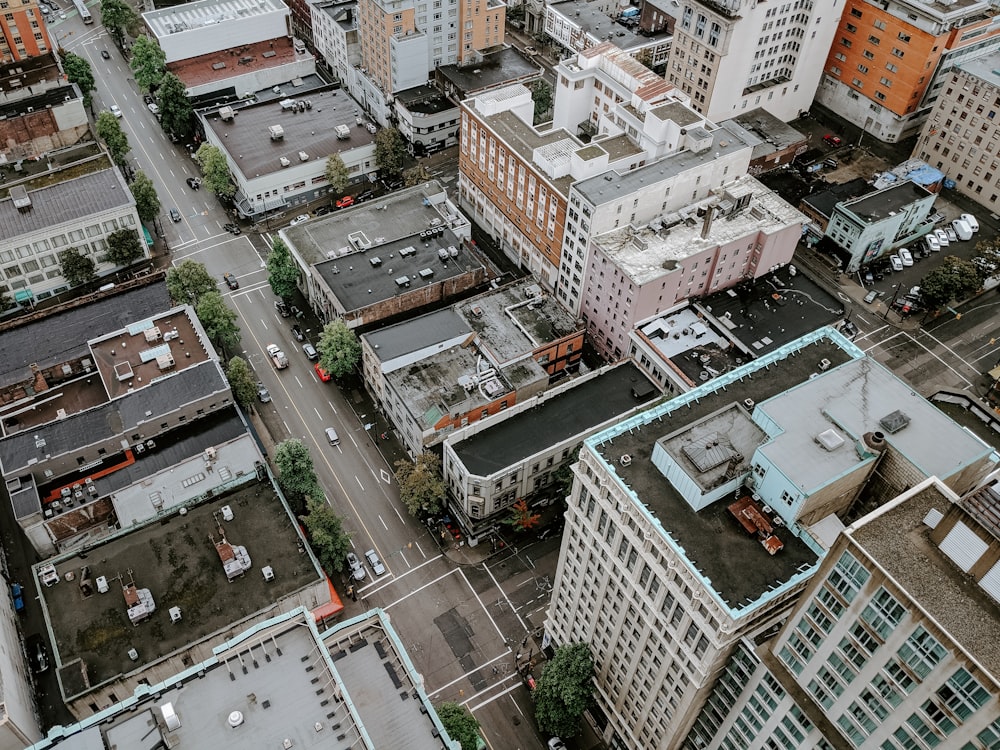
[81, 8]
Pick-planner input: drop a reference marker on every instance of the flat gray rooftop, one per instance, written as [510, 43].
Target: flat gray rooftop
[745, 571]
[694, 345]
[897, 538]
[766, 126]
[425, 100]
[62, 337]
[570, 413]
[600, 26]
[985, 67]
[312, 132]
[65, 201]
[878, 205]
[524, 139]
[417, 333]
[498, 68]
[206, 13]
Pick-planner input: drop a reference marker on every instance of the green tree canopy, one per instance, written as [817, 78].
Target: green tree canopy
[541, 95]
[461, 724]
[339, 349]
[415, 175]
[296, 474]
[77, 268]
[282, 273]
[337, 174]
[110, 131]
[176, 112]
[78, 71]
[124, 247]
[421, 487]
[218, 320]
[989, 252]
[215, 170]
[955, 278]
[390, 152]
[326, 534]
[118, 18]
[242, 381]
[188, 281]
[149, 63]
[564, 690]
[147, 202]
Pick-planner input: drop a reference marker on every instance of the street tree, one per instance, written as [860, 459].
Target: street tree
[296, 473]
[215, 170]
[522, 518]
[390, 153]
[5, 301]
[565, 690]
[562, 481]
[218, 320]
[110, 131]
[421, 487]
[541, 95]
[989, 253]
[124, 247]
[148, 64]
[282, 273]
[77, 268]
[955, 278]
[147, 202]
[326, 534]
[188, 281]
[242, 381]
[415, 175]
[78, 71]
[339, 349]
[337, 174]
[461, 724]
[118, 18]
[176, 112]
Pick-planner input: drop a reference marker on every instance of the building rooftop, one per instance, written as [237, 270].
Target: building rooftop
[591, 20]
[49, 98]
[425, 99]
[825, 200]
[524, 139]
[897, 539]
[580, 406]
[646, 254]
[55, 339]
[746, 573]
[985, 67]
[500, 68]
[773, 134]
[206, 13]
[343, 13]
[417, 333]
[612, 186]
[64, 201]
[260, 689]
[693, 344]
[886, 202]
[312, 132]
[236, 61]
[176, 560]
[18, 76]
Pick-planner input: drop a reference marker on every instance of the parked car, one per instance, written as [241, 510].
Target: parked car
[233, 229]
[323, 210]
[148, 99]
[932, 243]
[231, 281]
[556, 744]
[942, 237]
[365, 195]
[153, 107]
[193, 182]
[322, 374]
[952, 235]
[310, 351]
[299, 219]
[282, 308]
[38, 654]
[105, 54]
[175, 215]
[116, 111]
[357, 569]
[345, 202]
[896, 263]
[905, 257]
[971, 220]
[377, 567]
[297, 333]
[872, 296]
[263, 394]
[530, 51]
[832, 140]
[17, 593]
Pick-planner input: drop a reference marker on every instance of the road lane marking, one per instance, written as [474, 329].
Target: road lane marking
[400, 517]
[380, 518]
[297, 380]
[465, 676]
[506, 598]
[317, 412]
[363, 489]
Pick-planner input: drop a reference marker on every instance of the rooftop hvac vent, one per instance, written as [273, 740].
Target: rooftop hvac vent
[375, 261]
[277, 132]
[303, 156]
[19, 195]
[407, 251]
[426, 273]
[284, 162]
[227, 114]
[403, 281]
[894, 422]
[830, 439]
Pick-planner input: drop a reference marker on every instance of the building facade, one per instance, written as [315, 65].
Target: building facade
[23, 33]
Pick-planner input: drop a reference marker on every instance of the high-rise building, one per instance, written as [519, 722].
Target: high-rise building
[23, 33]
[892, 646]
[733, 55]
[699, 523]
[887, 61]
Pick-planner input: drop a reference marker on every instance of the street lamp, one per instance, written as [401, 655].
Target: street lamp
[895, 292]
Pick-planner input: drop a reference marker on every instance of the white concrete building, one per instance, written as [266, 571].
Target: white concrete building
[335, 36]
[580, 24]
[734, 55]
[18, 722]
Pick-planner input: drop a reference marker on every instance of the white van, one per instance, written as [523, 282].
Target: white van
[332, 437]
[971, 221]
[962, 229]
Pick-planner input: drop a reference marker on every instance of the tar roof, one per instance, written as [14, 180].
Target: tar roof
[854, 399]
[60, 338]
[63, 202]
[692, 343]
[746, 572]
[612, 186]
[48, 98]
[313, 132]
[112, 418]
[176, 560]
[883, 203]
[825, 200]
[897, 538]
[499, 68]
[769, 128]
[415, 334]
[580, 408]
[425, 100]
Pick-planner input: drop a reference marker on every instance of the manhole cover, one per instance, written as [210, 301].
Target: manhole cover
[515, 720]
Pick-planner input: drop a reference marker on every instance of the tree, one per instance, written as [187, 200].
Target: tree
[218, 320]
[118, 18]
[215, 170]
[955, 278]
[988, 251]
[541, 94]
[282, 273]
[242, 381]
[124, 247]
[77, 268]
[415, 176]
[5, 301]
[188, 281]
[337, 174]
[421, 487]
[326, 533]
[562, 481]
[339, 349]
[390, 152]
[565, 690]
[147, 202]
[78, 71]
[460, 724]
[176, 112]
[522, 517]
[149, 63]
[296, 474]
[110, 131]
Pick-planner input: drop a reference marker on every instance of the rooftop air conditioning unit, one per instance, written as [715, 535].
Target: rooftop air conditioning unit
[284, 162]
[303, 156]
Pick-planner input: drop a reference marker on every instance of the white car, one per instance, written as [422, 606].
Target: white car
[152, 106]
[116, 111]
[299, 219]
[905, 257]
[971, 221]
[556, 744]
[942, 237]
[356, 568]
[377, 567]
[932, 243]
[896, 263]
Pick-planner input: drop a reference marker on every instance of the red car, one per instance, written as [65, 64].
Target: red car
[832, 140]
[347, 200]
[322, 374]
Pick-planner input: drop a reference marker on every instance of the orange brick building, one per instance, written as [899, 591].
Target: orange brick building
[23, 31]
